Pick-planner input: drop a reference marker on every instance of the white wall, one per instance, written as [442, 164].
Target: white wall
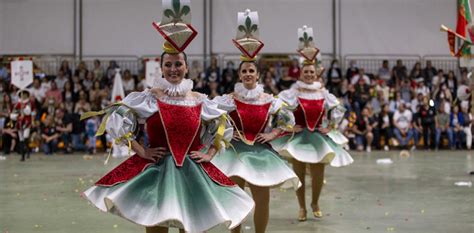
[396, 26]
[279, 21]
[36, 26]
[124, 27]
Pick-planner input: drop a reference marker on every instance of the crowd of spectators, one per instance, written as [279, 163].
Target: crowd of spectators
[394, 107]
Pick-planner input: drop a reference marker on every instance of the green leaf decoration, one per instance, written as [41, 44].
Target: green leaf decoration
[185, 10]
[241, 28]
[169, 13]
[248, 23]
[254, 28]
[301, 39]
[176, 7]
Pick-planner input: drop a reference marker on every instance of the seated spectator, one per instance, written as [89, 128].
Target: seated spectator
[213, 71]
[4, 72]
[382, 86]
[66, 71]
[49, 136]
[416, 103]
[361, 75]
[421, 88]
[451, 83]
[54, 93]
[428, 73]
[402, 122]
[98, 71]
[294, 70]
[384, 72]
[438, 79]
[351, 70]
[63, 122]
[363, 131]
[81, 71]
[269, 84]
[361, 95]
[442, 127]
[37, 91]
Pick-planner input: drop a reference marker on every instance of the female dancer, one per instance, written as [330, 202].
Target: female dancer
[171, 182]
[258, 118]
[316, 141]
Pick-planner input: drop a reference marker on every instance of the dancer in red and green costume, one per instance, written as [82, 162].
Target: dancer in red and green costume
[171, 182]
[316, 141]
[258, 118]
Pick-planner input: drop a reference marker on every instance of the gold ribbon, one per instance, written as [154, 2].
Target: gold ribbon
[220, 132]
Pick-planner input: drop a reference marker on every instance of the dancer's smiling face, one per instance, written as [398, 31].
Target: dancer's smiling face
[308, 74]
[249, 74]
[174, 68]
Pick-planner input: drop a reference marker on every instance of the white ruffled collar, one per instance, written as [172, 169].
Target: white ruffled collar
[311, 87]
[173, 90]
[246, 94]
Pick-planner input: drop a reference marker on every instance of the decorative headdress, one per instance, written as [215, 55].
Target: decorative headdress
[306, 47]
[175, 25]
[247, 38]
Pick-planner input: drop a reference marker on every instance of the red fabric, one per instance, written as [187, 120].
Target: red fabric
[182, 124]
[216, 175]
[124, 171]
[251, 119]
[462, 21]
[157, 136]
[24, 121]
[309, 113]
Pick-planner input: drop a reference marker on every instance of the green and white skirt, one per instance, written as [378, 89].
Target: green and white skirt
[257, 164]
[170, 196]
[313, 147]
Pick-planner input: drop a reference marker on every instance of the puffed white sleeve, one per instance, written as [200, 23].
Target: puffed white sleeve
[281, 116]
[336, 114]
[121, 119]
[217, 129]
[225, 102]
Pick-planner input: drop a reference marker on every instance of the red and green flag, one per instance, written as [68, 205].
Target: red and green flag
[463, 26]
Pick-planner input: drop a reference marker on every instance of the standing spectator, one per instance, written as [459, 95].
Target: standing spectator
[416, 72]
[195, 71]
[416, 126]
[384, 72]
[363, 130]
[351, 70]
[213, 89]
[451, 83]
[60, 80]
[294, 70]
[428, 73]
[442, 127]
[4, 72]
[110, 72]
[269, 84]
[9, 132]
[384, 128]
[98, 71]
[213, 71]
[229, 78]
[88, 82]
[467, 123]
[334, 77]
[81, 70]
[399, 72]
[69, 97]
[92, 124]
[427, 115]
[128, 82]
[402, 122]
[65, 69]
[456, 122]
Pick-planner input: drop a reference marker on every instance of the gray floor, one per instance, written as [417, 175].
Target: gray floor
[416, 193]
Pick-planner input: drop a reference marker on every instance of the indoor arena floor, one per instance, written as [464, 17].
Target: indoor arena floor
[415, 193]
